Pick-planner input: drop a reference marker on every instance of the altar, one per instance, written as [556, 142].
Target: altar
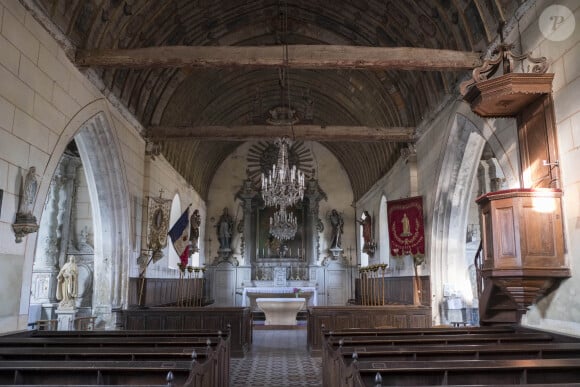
[280, 311]
[250, 294]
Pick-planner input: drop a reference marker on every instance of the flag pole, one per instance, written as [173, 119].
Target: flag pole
[142, 284]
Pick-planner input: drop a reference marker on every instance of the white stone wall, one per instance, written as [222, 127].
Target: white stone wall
[44, 101]
[560, 311]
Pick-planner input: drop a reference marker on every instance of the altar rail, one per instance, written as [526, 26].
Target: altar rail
[335, 318]
[238, 319]
[394, 290]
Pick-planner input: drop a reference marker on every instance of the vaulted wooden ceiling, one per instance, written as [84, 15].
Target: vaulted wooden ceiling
[235, 96]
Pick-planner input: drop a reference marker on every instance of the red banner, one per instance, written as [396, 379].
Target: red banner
[406, 230]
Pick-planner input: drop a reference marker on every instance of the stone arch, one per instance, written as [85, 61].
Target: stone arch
[100, 152]
[468, 135]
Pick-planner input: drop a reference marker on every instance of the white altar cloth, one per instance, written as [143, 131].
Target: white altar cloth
[280, 311]
[313, 301]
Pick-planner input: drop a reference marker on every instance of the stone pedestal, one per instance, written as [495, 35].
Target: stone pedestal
[336, 252]
[66, 317]
[280, 311]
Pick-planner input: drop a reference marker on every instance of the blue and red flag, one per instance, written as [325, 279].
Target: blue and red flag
[179, 237]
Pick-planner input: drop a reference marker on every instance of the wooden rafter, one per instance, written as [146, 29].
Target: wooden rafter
[298, 132]
[299, 56]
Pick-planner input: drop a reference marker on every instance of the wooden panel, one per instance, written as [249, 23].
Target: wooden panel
[335, 280]
[487, 237]
[344, 322]
[400, 316]
[224, 287]
[155, 322]
[506, 235]
[542, 242]
[194, 318]
[174, 323]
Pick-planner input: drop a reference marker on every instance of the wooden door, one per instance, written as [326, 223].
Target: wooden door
[336, 285]
[224, 287]
[537, 141]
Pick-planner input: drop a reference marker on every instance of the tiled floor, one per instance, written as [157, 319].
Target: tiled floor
[278, 358]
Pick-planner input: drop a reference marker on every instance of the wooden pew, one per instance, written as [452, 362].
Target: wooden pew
[415, 349]
[118, 333]
[461, 352]
[113, 358]
[108, 353]
[463, 372]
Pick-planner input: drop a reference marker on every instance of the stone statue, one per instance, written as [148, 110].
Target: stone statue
[367, 231]
[29, 189]
[67, 287]
[195, 222]
[224, 230]
[406, 226]
[337, 224]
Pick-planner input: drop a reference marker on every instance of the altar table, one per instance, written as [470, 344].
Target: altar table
[250, 294]
[280, 311]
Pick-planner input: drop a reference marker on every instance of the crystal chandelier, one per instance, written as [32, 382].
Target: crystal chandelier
[283, 186]
[283, 225]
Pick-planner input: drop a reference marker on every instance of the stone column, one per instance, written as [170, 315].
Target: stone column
[45, 268]
[68, 169]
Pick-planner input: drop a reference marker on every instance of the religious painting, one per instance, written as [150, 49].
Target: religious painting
[270, 247]
[406, 227]
[157, 225]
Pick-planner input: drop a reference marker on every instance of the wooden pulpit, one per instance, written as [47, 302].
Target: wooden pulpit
[523, 242]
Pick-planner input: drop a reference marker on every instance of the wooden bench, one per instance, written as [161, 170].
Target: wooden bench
[121, 333]
[239, 319]
[48, 372]
[462, 352]
[463, 372]
[420, 357]
[114, 357]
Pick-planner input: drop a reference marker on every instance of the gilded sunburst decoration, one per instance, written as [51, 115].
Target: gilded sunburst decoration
[264, 154]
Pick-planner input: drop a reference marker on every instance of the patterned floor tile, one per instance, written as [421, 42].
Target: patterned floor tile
[278, 358]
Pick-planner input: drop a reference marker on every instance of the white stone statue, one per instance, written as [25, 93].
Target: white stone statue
[67, 287]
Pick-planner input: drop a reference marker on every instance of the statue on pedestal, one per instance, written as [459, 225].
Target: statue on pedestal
[25, 220]
[195, 222]
[337, 224]
[67, 287]
[225, 228]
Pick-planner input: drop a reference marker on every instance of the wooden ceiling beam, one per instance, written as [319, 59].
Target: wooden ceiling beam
[299, 57]
[332, 133]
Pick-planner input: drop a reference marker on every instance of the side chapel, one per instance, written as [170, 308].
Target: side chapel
[361, 155]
